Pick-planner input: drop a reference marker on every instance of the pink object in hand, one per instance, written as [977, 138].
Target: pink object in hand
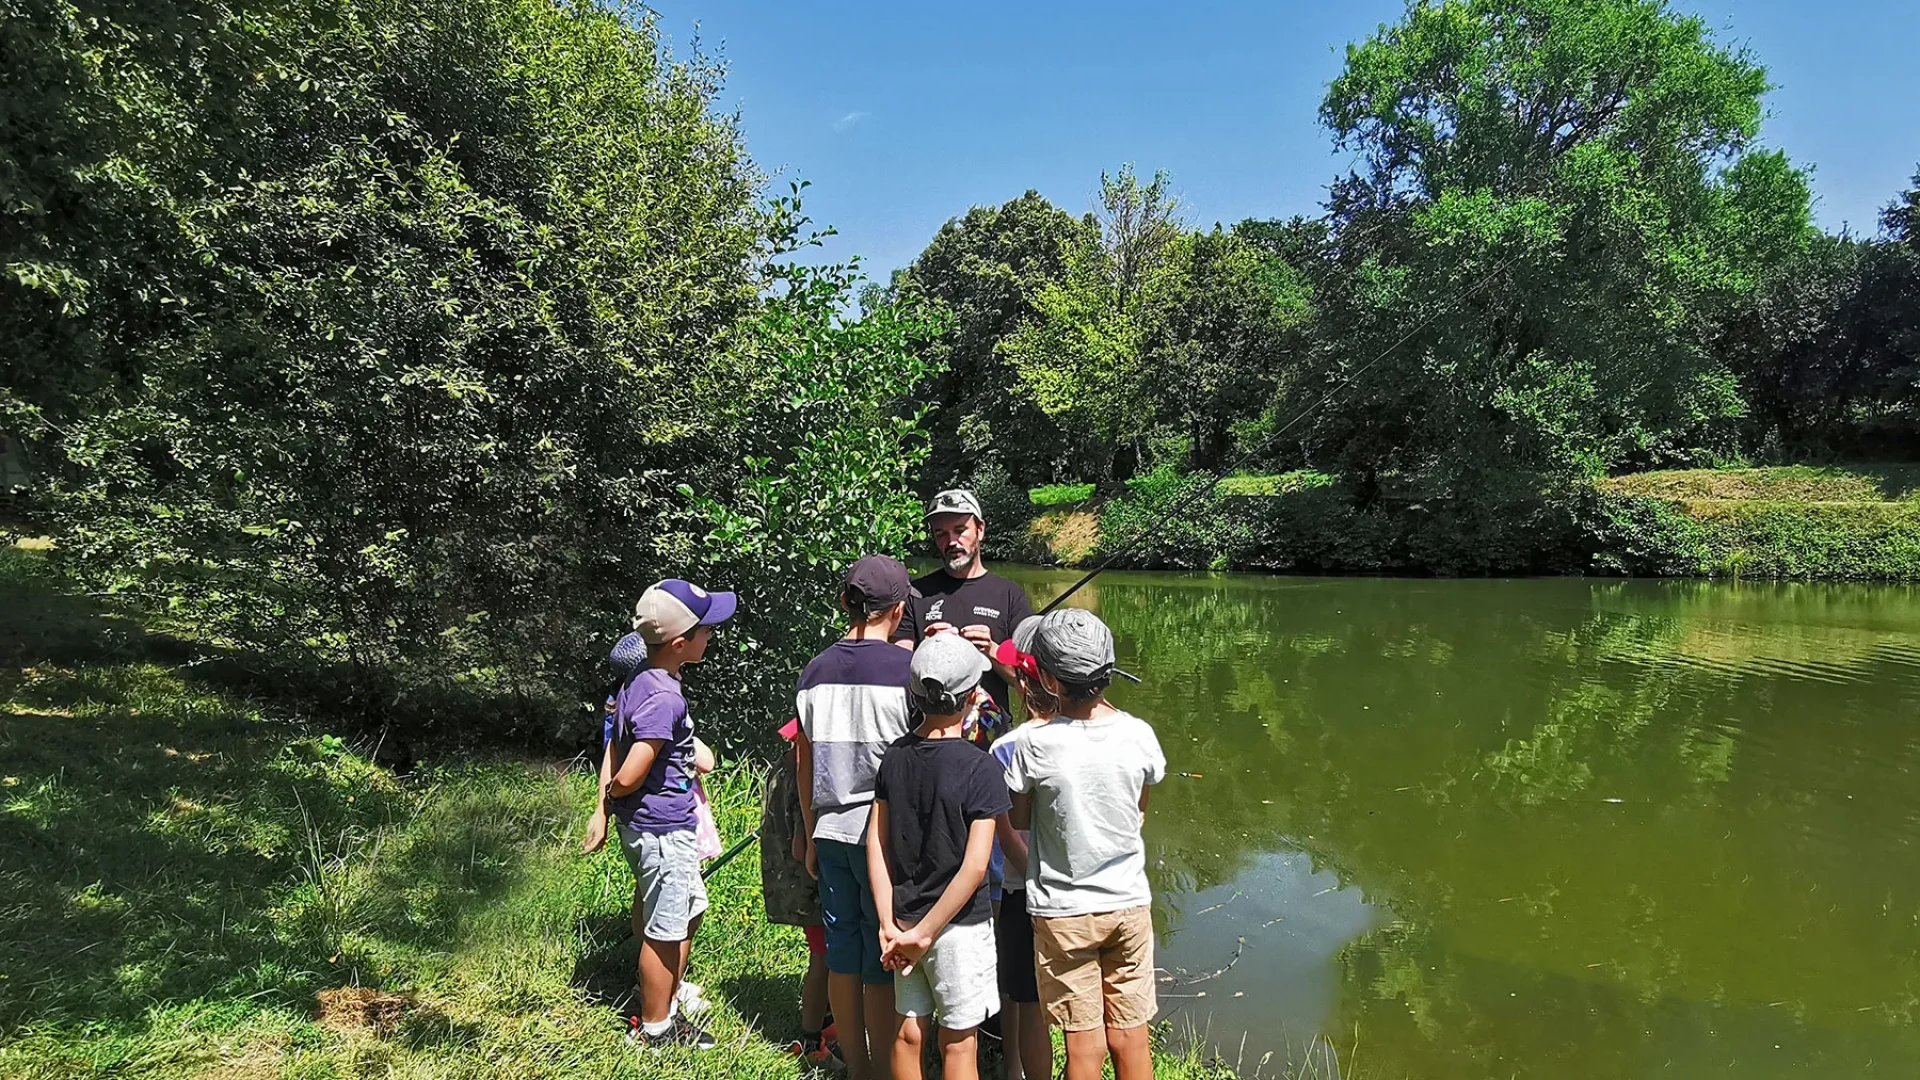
[706, 831]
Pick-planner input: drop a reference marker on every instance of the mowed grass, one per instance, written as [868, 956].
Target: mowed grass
[184, 867]
[1864, 483]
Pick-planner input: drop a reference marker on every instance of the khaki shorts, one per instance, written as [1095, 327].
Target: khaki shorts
[1097, 970]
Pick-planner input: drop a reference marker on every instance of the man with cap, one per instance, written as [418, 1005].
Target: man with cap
[650, 797]
[1080, 785]
[937, 803]
[963, 596]
[852, 705]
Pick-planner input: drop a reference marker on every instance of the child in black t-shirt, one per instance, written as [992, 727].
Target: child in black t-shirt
[936, 804]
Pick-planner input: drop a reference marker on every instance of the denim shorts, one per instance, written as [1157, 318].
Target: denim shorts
[667, 867]
[846, 910]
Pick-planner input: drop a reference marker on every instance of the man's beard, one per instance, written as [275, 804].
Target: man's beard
[961, 561]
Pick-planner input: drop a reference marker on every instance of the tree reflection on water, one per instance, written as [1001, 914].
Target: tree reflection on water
[1606, 824]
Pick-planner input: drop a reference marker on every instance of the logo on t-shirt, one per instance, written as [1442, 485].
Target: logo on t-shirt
[933, 612]
[991, 613]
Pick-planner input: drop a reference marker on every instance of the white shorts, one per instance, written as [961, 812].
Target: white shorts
[957, 981]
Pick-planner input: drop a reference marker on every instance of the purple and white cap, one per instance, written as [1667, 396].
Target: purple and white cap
[673, 607]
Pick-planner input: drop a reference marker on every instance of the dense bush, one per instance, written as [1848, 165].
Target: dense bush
[1314, 521]
[408, 341]
[1858, 541]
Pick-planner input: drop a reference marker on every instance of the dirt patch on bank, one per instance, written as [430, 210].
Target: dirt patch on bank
[360, 1008]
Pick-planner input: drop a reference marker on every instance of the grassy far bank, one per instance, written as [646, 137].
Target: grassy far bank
[1847, 522]
[195, 872]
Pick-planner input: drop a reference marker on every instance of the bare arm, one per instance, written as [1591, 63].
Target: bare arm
[803, 768]
[1013, 844]
[597, 822]
[1021, 816]
[606, 773]
[703, 759]
[878, 875]
[633, 771]
[803, 765]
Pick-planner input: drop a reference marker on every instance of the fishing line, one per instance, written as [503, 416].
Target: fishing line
[1251, 452]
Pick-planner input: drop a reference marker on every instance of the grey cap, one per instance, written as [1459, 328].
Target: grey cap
[1023, 633]
[1074, 646]
[955, 501]
[944, 668]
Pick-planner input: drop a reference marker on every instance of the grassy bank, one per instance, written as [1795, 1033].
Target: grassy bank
[1852, 523]
[205, 883]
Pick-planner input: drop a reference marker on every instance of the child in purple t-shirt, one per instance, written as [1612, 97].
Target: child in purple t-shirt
[651, 801]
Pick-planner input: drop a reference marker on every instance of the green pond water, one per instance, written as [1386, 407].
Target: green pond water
[1536, 828]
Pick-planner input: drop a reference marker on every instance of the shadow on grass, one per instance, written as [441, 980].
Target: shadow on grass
[163, 840]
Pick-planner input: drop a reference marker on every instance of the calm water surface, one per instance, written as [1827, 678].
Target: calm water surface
[1542, 828]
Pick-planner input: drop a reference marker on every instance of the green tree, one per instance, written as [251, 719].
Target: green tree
[1239, 332]
[1087, 359]
[987, 268]
[1558, 200]
[398, 336]
[1828, 351]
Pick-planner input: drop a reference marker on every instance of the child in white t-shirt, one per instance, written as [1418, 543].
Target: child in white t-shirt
[1080, 785]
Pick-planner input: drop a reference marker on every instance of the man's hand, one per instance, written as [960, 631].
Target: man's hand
[813, 859]
[889, 933]
[981, 636]
[936, 628]
[596, 833]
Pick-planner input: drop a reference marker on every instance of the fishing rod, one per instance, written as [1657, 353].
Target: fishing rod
[1177, 505]
[726, 856]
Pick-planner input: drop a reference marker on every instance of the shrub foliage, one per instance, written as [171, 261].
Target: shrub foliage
[413, 339]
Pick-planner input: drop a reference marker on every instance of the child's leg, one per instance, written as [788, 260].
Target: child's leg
[1132, 1052]
[877, 999]
[849, 1016]
[909, 1043]
[813, 988]
[914, 1004]
[668, 871]
[841, 913]
[1023, 1023]
[1129, 999]
[1086, 1053]
[1036, 1043]
[661, 963]
[959, 1054]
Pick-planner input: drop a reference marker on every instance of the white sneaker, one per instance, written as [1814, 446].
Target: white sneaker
[691, 1000]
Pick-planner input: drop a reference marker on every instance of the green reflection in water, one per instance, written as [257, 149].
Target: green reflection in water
[1605, 828]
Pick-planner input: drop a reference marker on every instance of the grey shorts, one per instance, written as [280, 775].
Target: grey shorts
[668, 870]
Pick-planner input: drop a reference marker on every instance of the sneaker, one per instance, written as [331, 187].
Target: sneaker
[818, 1050]
[691, 999]
[683, 1034]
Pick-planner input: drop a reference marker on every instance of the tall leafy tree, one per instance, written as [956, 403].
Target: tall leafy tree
[1558, 198]
[1829, 349]
[408, 337]
[1239, 333]
[1087, 360]
[986, 269]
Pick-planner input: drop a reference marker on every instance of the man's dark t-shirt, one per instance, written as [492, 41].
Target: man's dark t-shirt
[934, 790]
[989, 600]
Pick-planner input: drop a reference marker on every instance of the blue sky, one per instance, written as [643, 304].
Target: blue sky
[905, 114]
